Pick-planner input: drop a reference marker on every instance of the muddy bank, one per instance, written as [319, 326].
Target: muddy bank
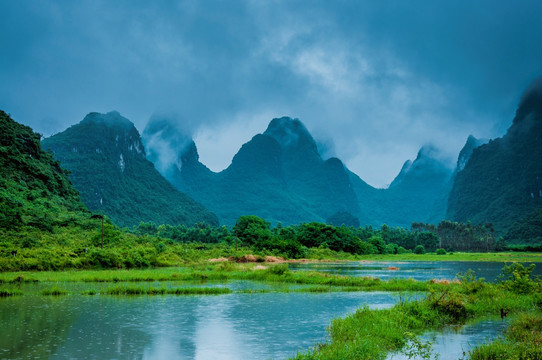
[261, 259]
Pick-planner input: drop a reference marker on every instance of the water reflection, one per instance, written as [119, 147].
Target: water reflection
[34, 330]
[236, 326]
[417, 270]
[454, 343]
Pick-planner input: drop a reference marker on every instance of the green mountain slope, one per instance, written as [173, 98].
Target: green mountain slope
[418, 193]
[278, 175]
[109, 168]
[502, 181]
[35, 191]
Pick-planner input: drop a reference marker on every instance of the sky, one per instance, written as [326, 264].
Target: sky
[373, 81]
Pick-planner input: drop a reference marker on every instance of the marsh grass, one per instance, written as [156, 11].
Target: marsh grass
[139, 290]
[9, 293]
[217, 272]
[371, 334]
[523, 340]
[54, 291]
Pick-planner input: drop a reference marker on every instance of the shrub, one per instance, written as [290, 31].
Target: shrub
[441, 252]
[450, 304]
[518, 278]
[419, 249]
[470, 283]
[281, 269]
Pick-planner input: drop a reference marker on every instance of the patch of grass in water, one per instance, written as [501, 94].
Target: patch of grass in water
[9, 293]
[54, 291]
[523, 341]
[135, 290]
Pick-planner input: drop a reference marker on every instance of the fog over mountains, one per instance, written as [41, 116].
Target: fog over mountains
[281, 176]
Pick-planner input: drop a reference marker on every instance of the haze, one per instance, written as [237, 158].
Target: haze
[373, 81]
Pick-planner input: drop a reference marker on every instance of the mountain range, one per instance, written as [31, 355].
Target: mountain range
[280, 176]
[108, 166]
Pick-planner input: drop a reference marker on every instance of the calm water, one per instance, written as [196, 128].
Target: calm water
[236, 326]
[455, 342]
[418, 270]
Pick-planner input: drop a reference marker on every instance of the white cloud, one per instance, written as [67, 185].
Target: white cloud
[217, 143]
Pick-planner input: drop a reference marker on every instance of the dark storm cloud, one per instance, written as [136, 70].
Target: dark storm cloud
[378, 79]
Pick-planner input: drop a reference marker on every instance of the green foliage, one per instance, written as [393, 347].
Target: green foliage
[343, 218]
[9, 293]
[138, 290]
[440, 252]
[252, 230]
[501, 181]
[470, 284]
[457, 236]
[523, 341]
[527, 231]
[279, 270]
[107, 164]
[419, 249]
[450, 304]
[518, 278]
[54, 291]
[34, 190]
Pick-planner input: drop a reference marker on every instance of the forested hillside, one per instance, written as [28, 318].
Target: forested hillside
[502, 181]
[280, 176]
[35, 191]
[107, 164]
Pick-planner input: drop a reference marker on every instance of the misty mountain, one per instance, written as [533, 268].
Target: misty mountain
[281, 176]
[419, 191]
[108, 166]
[278, 175]
[501, 183]
[466, 152]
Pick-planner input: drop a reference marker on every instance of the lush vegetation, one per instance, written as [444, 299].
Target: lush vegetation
[366, 334]
[371, 334]
[528, 230]
[463, 236]
[78, 244]
[502, 183]
[107, 165]
[34, 190]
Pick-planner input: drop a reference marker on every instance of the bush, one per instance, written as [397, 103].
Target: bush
[518, 278]
[281, 269]
[450, 304]
[440, 252]
[419, 249]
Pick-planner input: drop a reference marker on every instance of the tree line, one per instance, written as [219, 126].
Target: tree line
[294, 240]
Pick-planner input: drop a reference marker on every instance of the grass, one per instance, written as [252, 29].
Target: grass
[366, 334]
[372, 334]
[54, 291]
[138, 290]
[216, 272]
[460, 256]
[523, 341]
[9, 293]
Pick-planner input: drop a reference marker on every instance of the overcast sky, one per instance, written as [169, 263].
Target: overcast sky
[372, 80]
